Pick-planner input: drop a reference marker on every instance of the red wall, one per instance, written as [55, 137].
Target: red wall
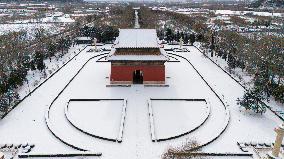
[150, 73]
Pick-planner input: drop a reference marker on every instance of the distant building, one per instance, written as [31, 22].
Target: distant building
[137, 58]
[84, 40]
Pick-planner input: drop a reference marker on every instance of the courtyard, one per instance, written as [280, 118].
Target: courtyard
[76, 110]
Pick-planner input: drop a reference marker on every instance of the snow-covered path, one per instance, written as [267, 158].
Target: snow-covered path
[137, 25]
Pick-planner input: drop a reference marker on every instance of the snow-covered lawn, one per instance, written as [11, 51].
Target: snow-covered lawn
[227, 124]
[62, 19]
[35, 77]
[173, 118]
[31, 28]
[94, 117]
[231, 12]
[228, 12]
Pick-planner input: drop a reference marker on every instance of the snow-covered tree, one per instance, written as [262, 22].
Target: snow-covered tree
[38, 58]
[252, 100]
[169, 35]
[192, 38]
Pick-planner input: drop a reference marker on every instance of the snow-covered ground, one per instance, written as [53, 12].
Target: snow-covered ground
[226, 12]
[26, 123]
[194, 113]
[51, 24]
[245, 79]
[230, 12]
[54, 18]
[34, 78]
[30, 28]
[244, 126]
[93, 117]
[61, 19]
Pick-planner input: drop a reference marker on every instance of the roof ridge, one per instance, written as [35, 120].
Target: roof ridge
[138, 38]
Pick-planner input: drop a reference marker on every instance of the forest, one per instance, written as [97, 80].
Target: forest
[260, 56]
[19, 56]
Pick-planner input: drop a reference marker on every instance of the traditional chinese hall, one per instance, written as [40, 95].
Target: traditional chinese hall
[137, 58]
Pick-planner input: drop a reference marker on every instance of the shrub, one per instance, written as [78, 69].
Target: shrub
[185, 151]
[252, 100]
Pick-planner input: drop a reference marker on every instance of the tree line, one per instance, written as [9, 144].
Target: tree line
[260, 56]
[171, 36]
[16, 59]
[104, 35]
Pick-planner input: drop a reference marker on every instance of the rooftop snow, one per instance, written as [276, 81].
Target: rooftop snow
[137, 38]
[138, 58]
[84, 38]
[114, 57]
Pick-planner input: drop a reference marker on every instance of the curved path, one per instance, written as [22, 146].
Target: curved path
[47, 116]
[227, 111]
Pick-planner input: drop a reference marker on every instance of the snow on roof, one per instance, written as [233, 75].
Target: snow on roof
[137, 58]
[84, 38]
[114, 57]
[137, 38]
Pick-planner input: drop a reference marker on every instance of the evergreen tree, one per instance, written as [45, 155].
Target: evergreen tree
[51, 48]
[169, 35]
[231, 61]
[262, 79]
[160, 34]
[8, 99]
[182, 35]
[212, 47]
[278, 93]
[38, 59]
[15, 78]
[192, 38]
[109, 33]
[186, 39]
[252, 100]
[26, 62]
[4, 103]
[177, 36]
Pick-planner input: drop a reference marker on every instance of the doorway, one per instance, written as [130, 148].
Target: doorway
[137, 77]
